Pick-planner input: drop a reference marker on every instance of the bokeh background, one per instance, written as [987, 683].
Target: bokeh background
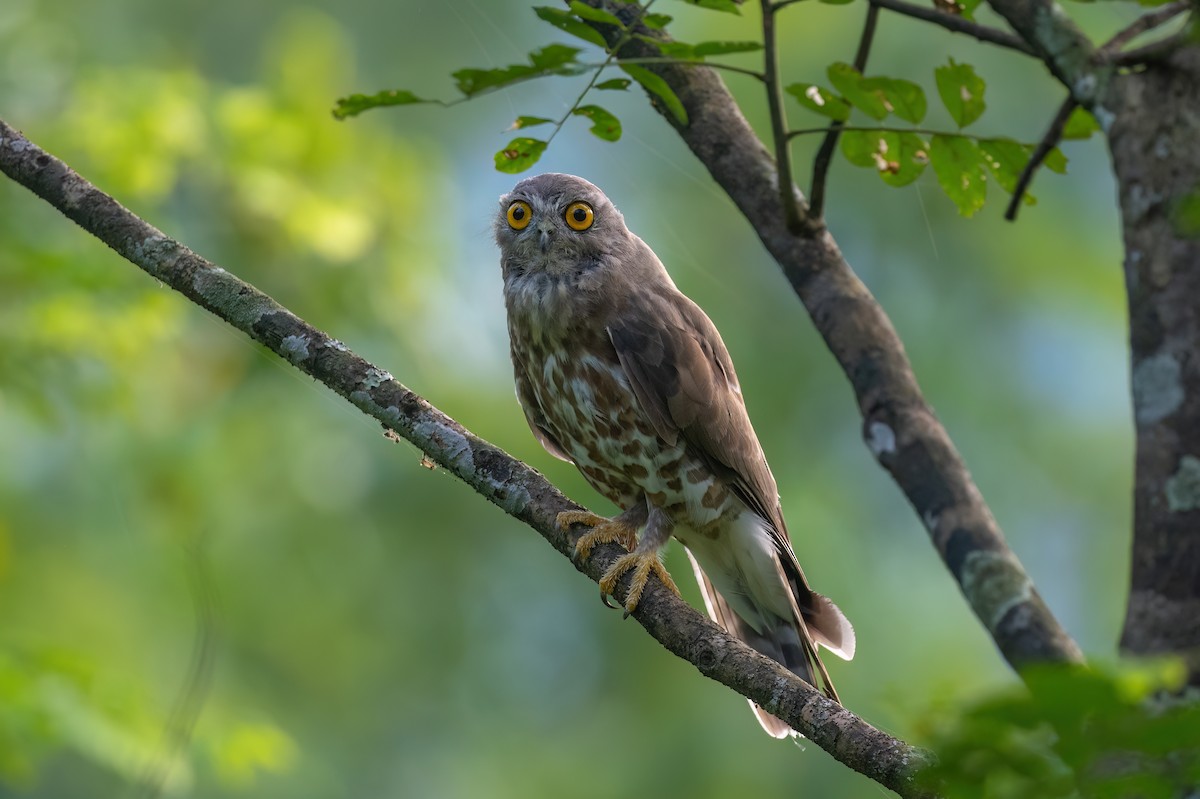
[219, 580]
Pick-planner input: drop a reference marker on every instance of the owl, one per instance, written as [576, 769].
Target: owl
[622, 375]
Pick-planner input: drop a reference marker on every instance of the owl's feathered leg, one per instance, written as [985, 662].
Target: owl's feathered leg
[642, 561]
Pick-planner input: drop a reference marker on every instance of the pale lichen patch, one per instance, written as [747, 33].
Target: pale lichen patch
[437, 438]
[1183, 487]
[881, 439]
[994, 583]
[239, 303]
[334, 344]
[1157, 388]
[295, 348]
[375, 378]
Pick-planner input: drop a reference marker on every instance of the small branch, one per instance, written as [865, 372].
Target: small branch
[1154, 51]
[956, 24]
[783, 155]
[886, 129]
[816, 196]
[1049, 142]
[494, 474]
[1142, 24]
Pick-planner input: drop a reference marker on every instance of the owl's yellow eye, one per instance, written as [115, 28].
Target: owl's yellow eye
[579, 216]
[520, 215]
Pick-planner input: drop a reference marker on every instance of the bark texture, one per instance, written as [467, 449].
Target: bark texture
[1154, 138]
[515, 487]
[898, 425]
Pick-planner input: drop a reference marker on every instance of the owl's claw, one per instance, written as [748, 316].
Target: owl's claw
[642, 563]
[604, 531]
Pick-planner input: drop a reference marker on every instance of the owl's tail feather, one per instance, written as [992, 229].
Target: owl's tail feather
[787, 641]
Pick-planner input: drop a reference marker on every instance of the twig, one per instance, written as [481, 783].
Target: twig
[1049, 142]
[1154, 51]
[1144, 23]
[1054, 37]
[956, 24]
[783, 155]
[498, 477]
[816, 196]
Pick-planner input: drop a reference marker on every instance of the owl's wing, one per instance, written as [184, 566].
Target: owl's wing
[684, 381]
[533, 411]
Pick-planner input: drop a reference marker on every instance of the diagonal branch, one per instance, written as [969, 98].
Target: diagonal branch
[512, 485]
[899, 426]
[1066, 50]
[956, 24]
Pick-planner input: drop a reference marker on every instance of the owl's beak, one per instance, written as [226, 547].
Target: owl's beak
[545, 235]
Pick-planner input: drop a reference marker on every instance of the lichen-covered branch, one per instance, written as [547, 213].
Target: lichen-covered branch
[1066, 50]
[899, 426]
[518, 489]
[957, 24]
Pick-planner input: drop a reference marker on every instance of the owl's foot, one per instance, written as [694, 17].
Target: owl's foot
[641, 563]
[604, 531]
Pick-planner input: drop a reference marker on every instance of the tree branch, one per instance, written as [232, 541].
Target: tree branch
[1066, 51]
[956, 24]
[783, 155]
[512, 485]
[1049, 142]
[1142, 24]
[824, 156]
[899, 426]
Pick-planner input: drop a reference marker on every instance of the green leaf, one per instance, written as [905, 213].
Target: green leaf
[1055, 161]
[728, 6]
[961, 91]
[604, 124]
[903, 98]
[357, 103]
[673, 49]
[658, 87]
[520, 154]
[849, 81]
[565, 21]
[821, 100]
[836, 2]
[906, 158]
[966, 8]
[584, 11]
[960, 169]
[705, 49]
[1080, 125]
[860, 147]
[656, 21]
[614, 84]
[554, 59]
[528, 122]
[1006, 159]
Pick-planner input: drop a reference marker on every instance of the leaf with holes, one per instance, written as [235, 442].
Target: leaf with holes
[821, 100]
[905, 159]
[658, 87]
[604, 124]
[961, 171]
[1080, 125]
[861, 147]
[902, 97]
[357, 103]
[614, 84]
[554, 59]
[961, 91]
[1006, 159]
[520, 154]
[584, 11]
[849, 81]
[569, 23]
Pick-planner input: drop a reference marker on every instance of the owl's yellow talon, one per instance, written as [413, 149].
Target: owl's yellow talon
[604, 531]
[642, 563]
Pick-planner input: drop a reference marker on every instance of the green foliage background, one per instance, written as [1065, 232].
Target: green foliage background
[376, 629]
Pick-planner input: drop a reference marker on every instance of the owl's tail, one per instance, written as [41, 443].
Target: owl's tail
[790, 641]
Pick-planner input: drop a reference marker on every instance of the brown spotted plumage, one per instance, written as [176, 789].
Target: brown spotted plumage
[622, 375]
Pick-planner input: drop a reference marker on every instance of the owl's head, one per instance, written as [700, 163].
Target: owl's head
[558, 225]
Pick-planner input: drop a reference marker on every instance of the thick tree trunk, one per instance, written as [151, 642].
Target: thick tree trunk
[1155, 143]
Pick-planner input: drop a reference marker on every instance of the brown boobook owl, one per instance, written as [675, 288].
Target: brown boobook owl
[621, 374]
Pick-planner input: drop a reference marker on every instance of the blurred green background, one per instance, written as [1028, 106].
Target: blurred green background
[191, 530]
